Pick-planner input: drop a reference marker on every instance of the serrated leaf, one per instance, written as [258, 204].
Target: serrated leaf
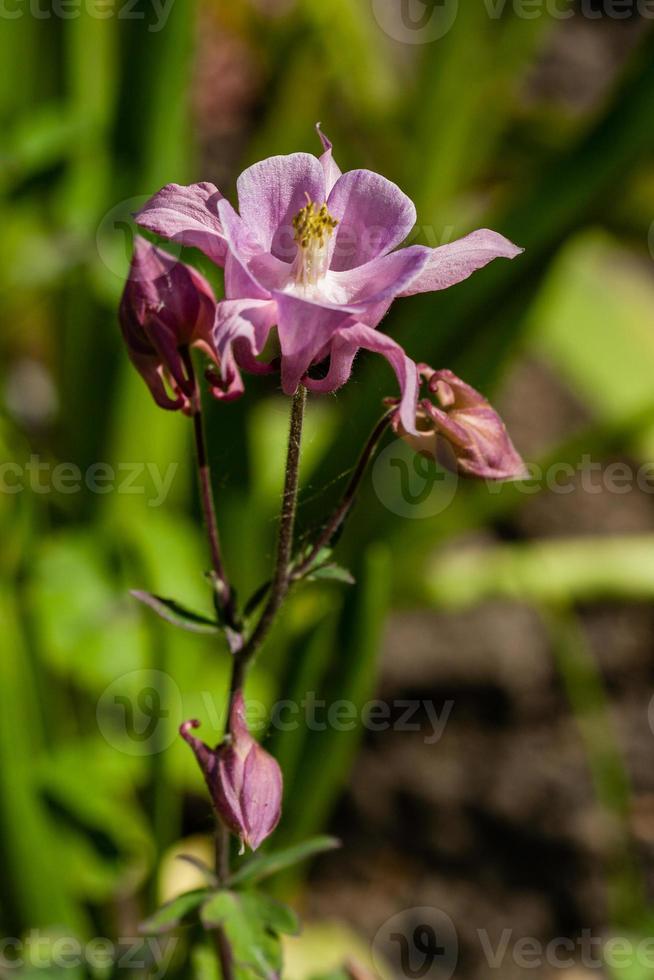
[266, 865]
[177, 615]
[170, 915]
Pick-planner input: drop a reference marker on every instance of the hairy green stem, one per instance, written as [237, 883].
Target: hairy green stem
[282, 572]
[337, 519]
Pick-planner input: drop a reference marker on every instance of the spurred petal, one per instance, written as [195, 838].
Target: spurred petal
[187, 214]
[331, 169]
[206, 757]
[344, 346]
[453, 263]
[374, 216]
[271, 193]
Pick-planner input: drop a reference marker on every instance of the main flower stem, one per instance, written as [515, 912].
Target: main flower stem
[282, 571]
[337, 519]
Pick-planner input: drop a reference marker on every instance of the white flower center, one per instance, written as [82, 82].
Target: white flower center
[313, 228]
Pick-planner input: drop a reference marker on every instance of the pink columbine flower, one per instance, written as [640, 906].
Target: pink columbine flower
[166, 306]
[312, 266]
[459, 428]
[245, 781]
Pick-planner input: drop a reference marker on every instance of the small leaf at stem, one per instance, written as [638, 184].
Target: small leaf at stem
[170, 915]
[256, 598]
[252, 924]
[176, 614]
[331, 571]
[266, 865]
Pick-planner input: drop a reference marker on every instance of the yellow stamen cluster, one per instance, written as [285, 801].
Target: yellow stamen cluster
[312, 224]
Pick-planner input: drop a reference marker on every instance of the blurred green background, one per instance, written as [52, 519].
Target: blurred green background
[528, 609]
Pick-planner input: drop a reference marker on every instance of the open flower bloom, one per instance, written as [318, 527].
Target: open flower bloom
[312, 266]
[459, 428]
[245, 781]
[166, 306]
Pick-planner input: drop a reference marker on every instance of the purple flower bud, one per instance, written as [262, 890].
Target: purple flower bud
[166, 306]
[457, 426]
[245, 781]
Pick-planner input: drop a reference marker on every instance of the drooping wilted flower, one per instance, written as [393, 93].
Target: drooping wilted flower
[312, 266]
[459, 428]
[166, 306]
[245, 781]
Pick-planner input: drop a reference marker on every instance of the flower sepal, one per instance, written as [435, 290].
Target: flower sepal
[458, 427]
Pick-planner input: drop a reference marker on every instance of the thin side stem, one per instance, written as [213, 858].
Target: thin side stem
[223, 589]
[337, 519]
[281, 575]
[225, 601]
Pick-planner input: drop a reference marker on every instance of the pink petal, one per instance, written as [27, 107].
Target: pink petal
[188, 215]
[374, 216]
[242, 247]
[344, 346]
[305, 328]
[331, 169]
[241, 331]
[453, 263]
[382, 278]
[271, 193]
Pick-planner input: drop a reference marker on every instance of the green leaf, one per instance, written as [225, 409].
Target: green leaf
[170, 915]
[331, 571]
[252, 924]
[279, 918]
[176, 614]
[266, 865]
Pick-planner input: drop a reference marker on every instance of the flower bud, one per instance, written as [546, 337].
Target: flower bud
[166, 306]
[245, 781]
[459, 428]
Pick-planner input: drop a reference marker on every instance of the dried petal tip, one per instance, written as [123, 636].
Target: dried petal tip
[458, 426]
[205, 756]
